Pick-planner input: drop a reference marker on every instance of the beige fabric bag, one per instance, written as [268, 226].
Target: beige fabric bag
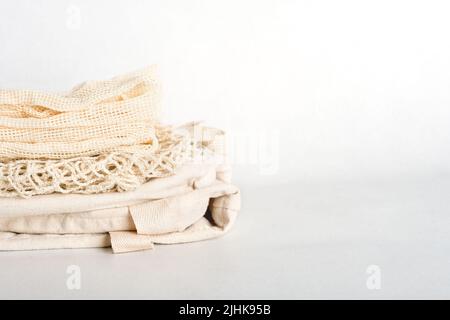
[198, 203]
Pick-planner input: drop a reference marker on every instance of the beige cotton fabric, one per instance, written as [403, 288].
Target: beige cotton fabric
[95, 168]
[197, 203]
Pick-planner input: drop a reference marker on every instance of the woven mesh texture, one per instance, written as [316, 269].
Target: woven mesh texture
[94, 118]
[103, 136]
[110, 172]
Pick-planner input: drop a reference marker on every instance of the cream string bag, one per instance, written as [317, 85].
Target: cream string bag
[95, 117]
[102, 136]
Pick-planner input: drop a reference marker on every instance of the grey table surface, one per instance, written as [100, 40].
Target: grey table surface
[293, 241]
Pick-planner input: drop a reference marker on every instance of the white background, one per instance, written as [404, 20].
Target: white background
[338, 113]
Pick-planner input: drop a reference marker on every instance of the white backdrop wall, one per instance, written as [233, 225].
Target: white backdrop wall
[308, 89]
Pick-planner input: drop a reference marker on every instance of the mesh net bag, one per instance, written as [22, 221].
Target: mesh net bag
[118, 171]
[103, 136]
[95, 117]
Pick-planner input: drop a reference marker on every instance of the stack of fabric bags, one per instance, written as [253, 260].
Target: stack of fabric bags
[96, 168]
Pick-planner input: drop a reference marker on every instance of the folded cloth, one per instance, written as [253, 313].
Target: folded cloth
[195, 204]
[95, 168]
